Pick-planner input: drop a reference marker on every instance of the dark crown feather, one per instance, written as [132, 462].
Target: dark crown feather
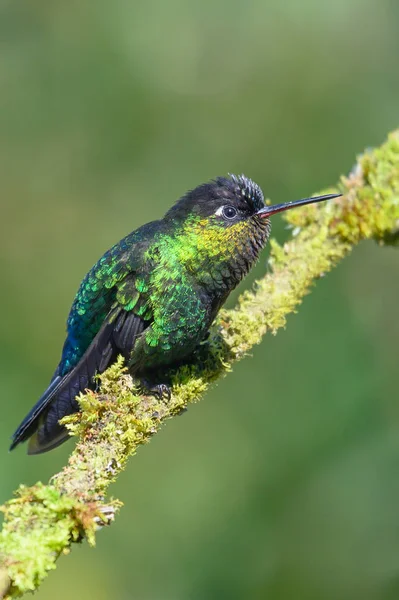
[249, 190]
[204, 198]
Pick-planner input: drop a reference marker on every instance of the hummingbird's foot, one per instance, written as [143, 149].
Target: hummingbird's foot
[161, 390]
[205, 339]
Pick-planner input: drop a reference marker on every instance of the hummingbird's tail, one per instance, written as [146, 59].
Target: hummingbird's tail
[36, 420]
[41, 425]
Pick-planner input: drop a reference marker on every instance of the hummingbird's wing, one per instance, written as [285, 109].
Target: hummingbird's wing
[114, 274]
[117, 335]
[109, 312]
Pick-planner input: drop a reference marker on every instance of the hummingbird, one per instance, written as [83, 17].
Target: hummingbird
[154, 295]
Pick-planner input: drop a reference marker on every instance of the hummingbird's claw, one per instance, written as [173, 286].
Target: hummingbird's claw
[162, 391]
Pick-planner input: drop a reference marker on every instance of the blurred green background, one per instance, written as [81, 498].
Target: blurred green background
[284, 482]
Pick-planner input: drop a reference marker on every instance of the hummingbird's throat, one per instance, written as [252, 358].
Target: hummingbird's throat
[222, 256]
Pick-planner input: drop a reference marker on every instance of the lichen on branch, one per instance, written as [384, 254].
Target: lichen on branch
[43, 521]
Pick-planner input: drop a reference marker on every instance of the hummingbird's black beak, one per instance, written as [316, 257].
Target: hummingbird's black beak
[267, 211]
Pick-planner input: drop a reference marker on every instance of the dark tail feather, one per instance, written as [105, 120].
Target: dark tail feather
[48, 432]
[29, 424]
[41, 425]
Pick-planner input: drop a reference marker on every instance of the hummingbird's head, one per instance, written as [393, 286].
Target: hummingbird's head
[228, 201]
[225, 201]
[226, 221]
[218, 224]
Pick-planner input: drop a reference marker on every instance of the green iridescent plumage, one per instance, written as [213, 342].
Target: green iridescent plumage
[153, 296]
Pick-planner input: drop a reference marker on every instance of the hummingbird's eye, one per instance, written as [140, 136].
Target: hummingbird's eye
[228, 212]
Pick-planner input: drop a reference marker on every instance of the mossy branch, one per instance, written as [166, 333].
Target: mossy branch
[43, 521]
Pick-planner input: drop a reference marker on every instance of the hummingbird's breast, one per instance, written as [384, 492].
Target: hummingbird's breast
[191, 275]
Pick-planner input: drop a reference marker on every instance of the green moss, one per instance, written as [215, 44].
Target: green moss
[40, 523]
[43, 521]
